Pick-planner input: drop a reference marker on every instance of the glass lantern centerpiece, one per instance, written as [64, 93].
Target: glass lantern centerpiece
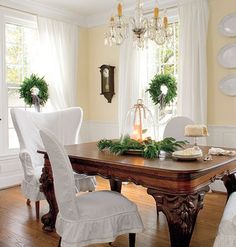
[139, 123]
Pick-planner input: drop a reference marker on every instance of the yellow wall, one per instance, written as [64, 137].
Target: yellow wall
[99, 54]
[221, 108]
[83, 86]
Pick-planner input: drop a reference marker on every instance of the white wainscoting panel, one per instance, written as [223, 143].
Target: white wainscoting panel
[11, 172]
[94, 131]
[221, 136]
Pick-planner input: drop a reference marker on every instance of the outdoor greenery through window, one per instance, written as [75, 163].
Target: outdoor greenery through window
[20, 56]
[156, 60]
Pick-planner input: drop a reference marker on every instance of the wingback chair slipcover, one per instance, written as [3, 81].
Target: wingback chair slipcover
[226, 236]
[96, 217]
[65, 124]
[175, 128]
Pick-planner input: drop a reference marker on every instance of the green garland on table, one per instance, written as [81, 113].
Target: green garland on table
[155, 89]
[148, 149]
[34, 82]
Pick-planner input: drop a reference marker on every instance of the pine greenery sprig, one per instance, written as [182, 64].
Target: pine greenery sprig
[149, 149]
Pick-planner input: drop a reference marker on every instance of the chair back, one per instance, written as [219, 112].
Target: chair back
[175, 128]
[64, 184]
[28, 135]
[65, 124]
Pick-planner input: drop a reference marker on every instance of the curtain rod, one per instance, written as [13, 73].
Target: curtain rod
[19, 10]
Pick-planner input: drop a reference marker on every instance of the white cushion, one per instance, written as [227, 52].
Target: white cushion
[103, 216]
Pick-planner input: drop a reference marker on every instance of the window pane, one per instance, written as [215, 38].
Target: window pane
[14, 74]
[14, 34]
[155, 60]
[14, 98]
[13, 54]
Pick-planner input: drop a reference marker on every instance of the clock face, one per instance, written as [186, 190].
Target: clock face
[106, 73]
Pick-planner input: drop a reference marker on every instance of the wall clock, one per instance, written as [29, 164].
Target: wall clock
[107, 81]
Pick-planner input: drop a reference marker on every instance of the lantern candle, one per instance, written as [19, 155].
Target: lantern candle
[137, 132]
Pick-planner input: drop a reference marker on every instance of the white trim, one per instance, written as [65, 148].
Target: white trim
[89, 21]
[222, 136]
[10, 167]
[11, 172]
[96, 130]
[102, 18]
[35, 8]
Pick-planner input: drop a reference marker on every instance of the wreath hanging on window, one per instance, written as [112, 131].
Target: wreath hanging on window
[163, 89]
[33, 88]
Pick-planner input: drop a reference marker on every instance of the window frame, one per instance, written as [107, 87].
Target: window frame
[8, 16]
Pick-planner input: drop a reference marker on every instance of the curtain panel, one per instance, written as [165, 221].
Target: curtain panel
[59, 61]
[193, 18]
[129, 79]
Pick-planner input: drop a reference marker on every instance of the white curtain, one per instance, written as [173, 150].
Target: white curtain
[193, 18]
[59, 60]
[129, 79]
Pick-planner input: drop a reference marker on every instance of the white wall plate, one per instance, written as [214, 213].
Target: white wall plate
[227, 56]
[227, 25]
[228, 85]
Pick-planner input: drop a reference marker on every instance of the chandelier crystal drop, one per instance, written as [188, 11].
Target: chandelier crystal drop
[156, 29]
[118, 29]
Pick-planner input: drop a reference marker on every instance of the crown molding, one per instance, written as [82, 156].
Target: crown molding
[87, 21]
[102, 18]
[36, 8]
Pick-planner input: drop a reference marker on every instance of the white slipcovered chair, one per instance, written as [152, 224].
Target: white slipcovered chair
[96, 217]
[175, 128]
[226, 236]
[65, 124]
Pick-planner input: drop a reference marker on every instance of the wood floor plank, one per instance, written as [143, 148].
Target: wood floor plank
[19, 227]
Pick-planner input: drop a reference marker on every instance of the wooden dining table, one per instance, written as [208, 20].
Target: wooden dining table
[178, 186]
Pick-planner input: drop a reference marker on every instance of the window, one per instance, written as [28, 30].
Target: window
[19, 56]
[20, 41]
[155, 60]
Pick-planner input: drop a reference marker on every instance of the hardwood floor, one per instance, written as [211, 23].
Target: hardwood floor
[19, 227]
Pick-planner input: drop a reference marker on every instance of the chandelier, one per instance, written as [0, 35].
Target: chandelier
[156, 29]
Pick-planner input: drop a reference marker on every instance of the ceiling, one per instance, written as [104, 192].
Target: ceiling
[90, 7]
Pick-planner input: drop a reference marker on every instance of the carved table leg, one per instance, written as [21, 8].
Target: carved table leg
[181, 212]
[230, 183]
[47, 188]
[115, 185]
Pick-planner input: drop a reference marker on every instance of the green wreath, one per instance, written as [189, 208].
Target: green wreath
[160, 83]
[34, 82]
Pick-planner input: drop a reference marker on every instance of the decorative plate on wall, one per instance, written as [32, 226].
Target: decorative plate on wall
[227, 56]
[227, 25]
[228, 85]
